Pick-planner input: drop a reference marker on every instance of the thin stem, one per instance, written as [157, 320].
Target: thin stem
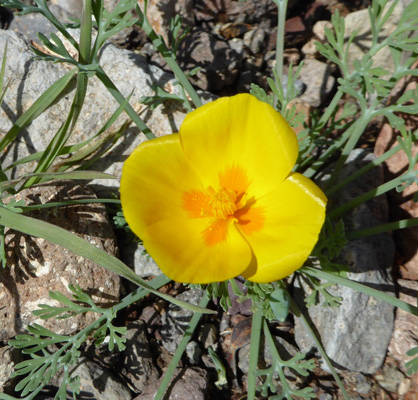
[367, 167]
[336, 145]
[276, 356]
[331, 108]
[282, 7]
[319, 274]
[68, 203]
[254, 350]
[321, 123]
[370, 195]
[389, 227]
[159, 44]
[114, 91]
[76, 340]
[180, 350]
[356, 132]
[296, 311]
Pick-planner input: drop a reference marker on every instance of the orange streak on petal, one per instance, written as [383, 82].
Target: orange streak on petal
[196, 203]
[216, 232]
[234, 178]
[250, 219]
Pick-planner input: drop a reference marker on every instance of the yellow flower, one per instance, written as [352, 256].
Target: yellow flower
[218, 199]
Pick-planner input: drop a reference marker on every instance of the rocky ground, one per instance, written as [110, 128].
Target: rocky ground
[233, 43]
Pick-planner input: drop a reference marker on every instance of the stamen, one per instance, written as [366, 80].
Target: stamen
[224, 203]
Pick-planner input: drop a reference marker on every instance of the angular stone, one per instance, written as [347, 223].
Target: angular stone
[99, 383]
[319, 29]
[36, 266]
[254, 40]
[134, 254]
[186, 384]
[218, 63]
[319, 82]
[356, 334]
[262, 13]
[137, 357]
[175, 321]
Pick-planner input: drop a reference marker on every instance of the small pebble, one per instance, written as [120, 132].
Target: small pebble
[193, 352]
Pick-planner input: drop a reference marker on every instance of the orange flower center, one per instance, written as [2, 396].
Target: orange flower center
[225, 202]
[226, 206]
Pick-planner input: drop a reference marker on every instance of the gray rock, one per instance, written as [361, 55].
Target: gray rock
[137, 357]
[237, 45]
[99, 383]
[176, 320]
[319, 82]
[254, 40]
[32, 24]
[186, 384]
[134, 254]
[286, 351]
[36, 266]
[9, 357]
[219, 65]
[261, 13]
[356, 334]
[325, 396]
[29, 78]
[193, 352]
[390, 378]
[129, 71]
[362, 384]
[74, 7]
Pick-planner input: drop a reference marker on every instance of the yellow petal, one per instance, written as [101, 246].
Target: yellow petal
[197, 250]
[292, 217]
[240, 133]
[154, 180]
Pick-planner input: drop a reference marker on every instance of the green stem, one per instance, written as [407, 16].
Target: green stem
[282, 7]
[80, 337]
[355, 134]
[276, 356]
[159, 44]
[254, 350]
[389, 227]
[319, 274]
[321, 123]
[68, 203]
[82, 248]
[367, 167]
[38, 107]
[296, 311]
[180, 350]
[370, 195]
[114, 91]
[336, 145]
